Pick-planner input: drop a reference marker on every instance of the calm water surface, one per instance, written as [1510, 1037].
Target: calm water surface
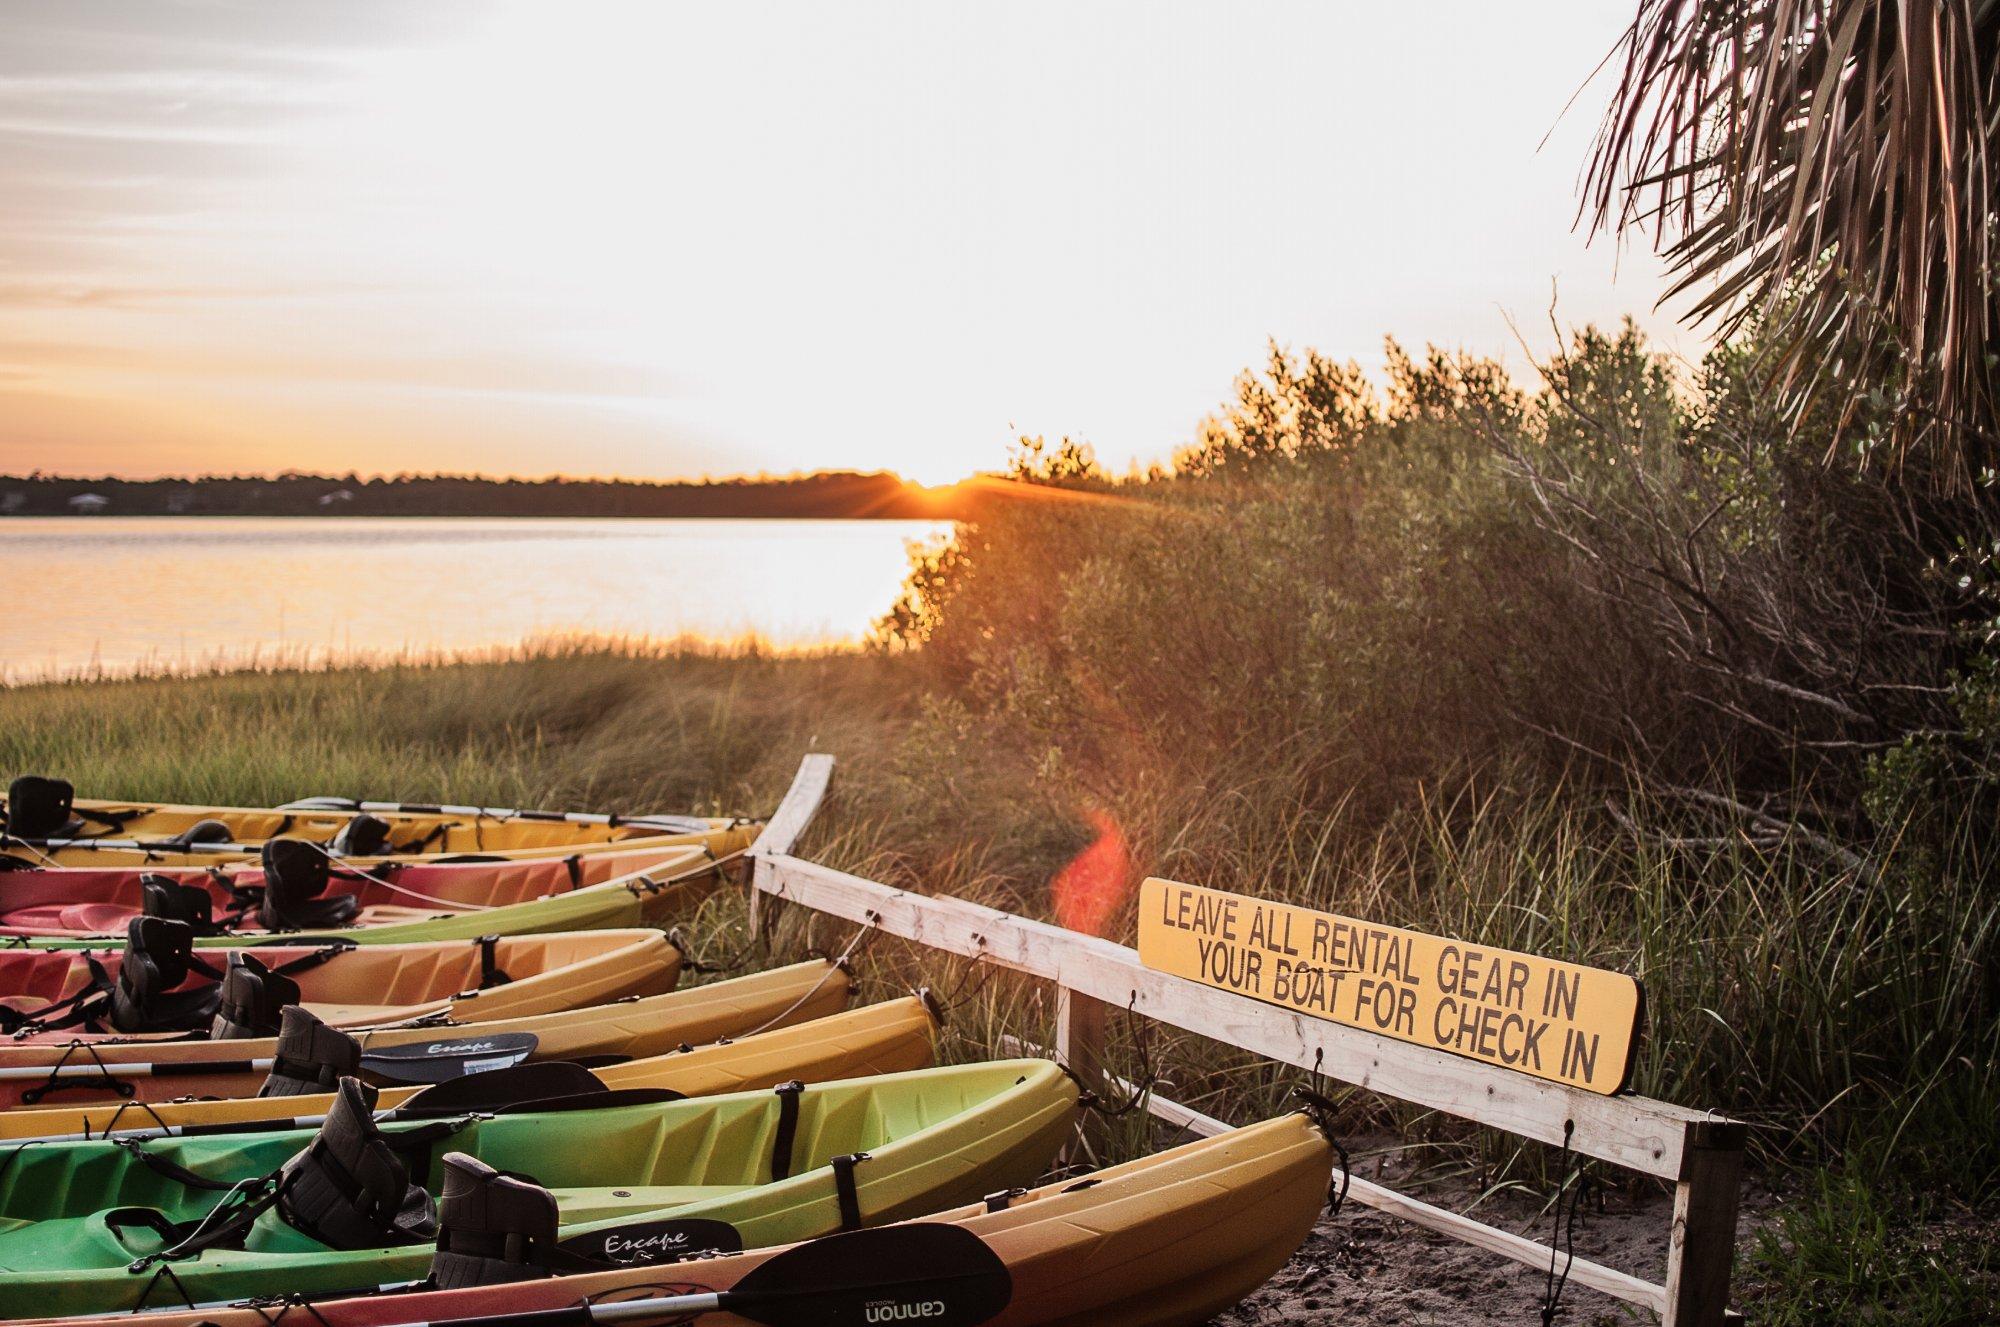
[118, 594]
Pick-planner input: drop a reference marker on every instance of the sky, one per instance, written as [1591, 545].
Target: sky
[657, 240]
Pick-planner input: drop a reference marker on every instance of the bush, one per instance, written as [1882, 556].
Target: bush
[1612, 670]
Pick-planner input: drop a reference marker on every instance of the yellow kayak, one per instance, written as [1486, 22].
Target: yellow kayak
[885, 1038]
[61, 1076]
[46, 825]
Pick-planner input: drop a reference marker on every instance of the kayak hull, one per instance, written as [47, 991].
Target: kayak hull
[1169, 1240]
[381, 984]
[674, 881]
[892, 1037]
[935, 1137]
[73, 902]
[105, 826]
[649, 1026]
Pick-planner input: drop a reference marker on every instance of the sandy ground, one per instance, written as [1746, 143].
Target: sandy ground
[1364, 1266]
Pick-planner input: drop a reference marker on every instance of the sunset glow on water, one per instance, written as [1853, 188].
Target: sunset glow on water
[136, 594]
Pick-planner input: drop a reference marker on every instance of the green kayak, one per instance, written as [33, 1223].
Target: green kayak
[92, 1227]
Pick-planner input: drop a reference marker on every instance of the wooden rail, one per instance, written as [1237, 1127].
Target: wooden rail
[1701, 1153]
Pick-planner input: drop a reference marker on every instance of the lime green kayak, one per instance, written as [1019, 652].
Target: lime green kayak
[96, 1227]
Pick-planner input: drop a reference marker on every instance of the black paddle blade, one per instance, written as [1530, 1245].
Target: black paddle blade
[924, 1274]
[496, 1089]
[436, 1061]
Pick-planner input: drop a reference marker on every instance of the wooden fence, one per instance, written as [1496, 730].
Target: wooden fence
[1700, 1152]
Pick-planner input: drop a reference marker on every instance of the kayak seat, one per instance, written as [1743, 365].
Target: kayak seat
[251, 1000]
[163, 896]
[159, 956]
[311, 1057]
[201, 831]
[296, 874]
[349, 1189]
[362, 836]
[492, 1228]
[39, 808]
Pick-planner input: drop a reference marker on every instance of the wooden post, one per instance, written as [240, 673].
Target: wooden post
[1702, 1246]
[1080, 1046]
[794, 814]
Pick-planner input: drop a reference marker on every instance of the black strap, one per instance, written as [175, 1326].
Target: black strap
[219, 1226]
[788, 1128]
[83, 1007]
[418, 845]
[1565, 1231]
[172, 1170]
[331, 950]
[490, 972]
[56, 1083]
[843, 1187]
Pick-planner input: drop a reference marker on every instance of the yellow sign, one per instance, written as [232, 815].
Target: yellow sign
[1554, 1020]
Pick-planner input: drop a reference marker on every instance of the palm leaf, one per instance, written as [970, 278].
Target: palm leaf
[1830, 165]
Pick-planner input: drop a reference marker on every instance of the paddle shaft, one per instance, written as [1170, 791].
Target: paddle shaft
[507, 813]
[273, 1125]
[114, 1069]
[472, 1055]
[581, 1315]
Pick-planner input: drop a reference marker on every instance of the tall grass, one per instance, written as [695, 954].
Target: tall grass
[629, 728]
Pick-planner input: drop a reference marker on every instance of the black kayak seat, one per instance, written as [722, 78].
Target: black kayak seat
[252, 1000]
[311, 1057]
[159, 955]
[163, 896]
[492, 1228]
[362, 836]
[41, 808]
[350, 1188]
[296, 875]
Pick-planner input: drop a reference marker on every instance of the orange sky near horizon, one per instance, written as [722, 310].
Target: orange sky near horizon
[663, 241]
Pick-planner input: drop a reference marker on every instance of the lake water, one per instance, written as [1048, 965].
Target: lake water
[122, 594]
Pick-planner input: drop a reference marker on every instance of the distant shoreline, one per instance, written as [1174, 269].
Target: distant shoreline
[826, 495]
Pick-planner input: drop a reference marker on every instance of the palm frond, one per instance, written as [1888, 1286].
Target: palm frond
[1831, 164]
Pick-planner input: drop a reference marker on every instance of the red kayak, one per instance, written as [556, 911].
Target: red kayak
[312, 892]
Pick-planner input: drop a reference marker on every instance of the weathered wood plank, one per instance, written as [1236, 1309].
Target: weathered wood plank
[782, 831]
[1702, 1245]
[1636, 1132]
[795, 813]
[1080, 1046]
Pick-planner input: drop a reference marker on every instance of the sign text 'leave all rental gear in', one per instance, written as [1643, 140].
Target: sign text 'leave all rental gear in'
[1558, 1021]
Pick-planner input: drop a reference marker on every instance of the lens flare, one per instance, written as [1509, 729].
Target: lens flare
[1090, 888]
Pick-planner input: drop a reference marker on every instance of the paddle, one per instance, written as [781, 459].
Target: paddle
[417, 1062]
[925, 1274]
[437, 1061]
[672, 823]
[137, 845]
[548, 1085]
